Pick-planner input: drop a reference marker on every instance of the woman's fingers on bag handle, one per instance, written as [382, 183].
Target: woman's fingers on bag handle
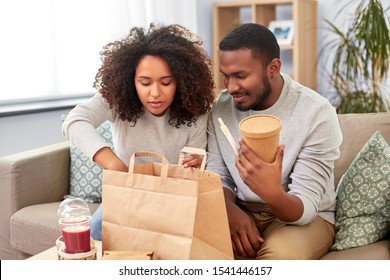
[192, 161]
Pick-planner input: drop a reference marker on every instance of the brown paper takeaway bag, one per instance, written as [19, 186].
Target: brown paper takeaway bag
[178, 213]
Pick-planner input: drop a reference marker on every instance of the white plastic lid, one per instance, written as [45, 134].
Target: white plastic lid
[74, 208]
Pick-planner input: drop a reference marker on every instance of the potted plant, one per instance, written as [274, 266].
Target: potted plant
[361, 59]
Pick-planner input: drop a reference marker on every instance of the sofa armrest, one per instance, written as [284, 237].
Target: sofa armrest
[36, 176]
[32, 177]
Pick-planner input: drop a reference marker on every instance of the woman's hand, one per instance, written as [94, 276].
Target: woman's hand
[192, 161]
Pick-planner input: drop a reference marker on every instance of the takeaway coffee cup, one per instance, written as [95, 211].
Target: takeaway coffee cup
[261, 134]
[75, 219]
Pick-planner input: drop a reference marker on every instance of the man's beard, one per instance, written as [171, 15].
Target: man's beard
[266, 92]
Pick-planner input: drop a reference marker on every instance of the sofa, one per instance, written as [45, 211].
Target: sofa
[33, 184]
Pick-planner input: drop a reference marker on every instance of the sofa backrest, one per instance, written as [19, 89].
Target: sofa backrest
[357, 129]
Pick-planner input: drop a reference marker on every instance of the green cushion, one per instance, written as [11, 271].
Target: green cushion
[363, 201]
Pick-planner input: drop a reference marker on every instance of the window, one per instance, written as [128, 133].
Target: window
[50, 48]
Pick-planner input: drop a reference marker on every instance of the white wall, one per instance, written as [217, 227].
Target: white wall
[19, 133]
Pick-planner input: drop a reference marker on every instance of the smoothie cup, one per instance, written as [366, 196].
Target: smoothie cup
[75, 219]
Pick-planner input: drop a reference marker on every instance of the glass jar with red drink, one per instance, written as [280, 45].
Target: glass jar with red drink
[75, 219]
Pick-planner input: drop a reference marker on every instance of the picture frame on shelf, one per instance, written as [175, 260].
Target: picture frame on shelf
[283, 30]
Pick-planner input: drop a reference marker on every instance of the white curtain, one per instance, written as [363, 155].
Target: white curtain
[164, 11]
[50, 48]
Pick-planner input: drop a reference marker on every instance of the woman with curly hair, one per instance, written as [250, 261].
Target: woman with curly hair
[155, 87]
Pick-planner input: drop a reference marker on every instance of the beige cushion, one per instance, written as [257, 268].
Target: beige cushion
[375, 251]
[357, 130]
[35, 228]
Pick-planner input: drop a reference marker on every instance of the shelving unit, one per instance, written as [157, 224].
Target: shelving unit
[226, 15]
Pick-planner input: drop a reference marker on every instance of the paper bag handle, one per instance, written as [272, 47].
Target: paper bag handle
[164, 161]
[194, 151]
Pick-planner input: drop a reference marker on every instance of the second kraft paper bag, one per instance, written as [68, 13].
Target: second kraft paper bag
[177, 213]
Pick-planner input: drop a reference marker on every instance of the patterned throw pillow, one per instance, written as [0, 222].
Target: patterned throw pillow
[363, 203]
[86, 175]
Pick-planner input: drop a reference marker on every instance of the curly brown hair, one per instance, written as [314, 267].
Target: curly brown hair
[186, 58]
